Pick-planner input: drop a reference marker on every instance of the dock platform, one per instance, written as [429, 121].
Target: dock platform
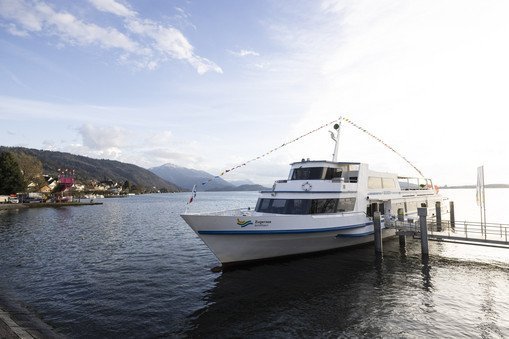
[464, 232]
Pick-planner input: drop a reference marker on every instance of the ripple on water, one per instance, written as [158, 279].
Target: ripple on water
[132, 268]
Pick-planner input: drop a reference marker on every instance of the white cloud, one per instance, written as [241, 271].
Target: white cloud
[107, 139]
[23, 13]
[164, 137]
[41, 18]
[169, 41]
[164, 42]
[114, 7]
[245, 52]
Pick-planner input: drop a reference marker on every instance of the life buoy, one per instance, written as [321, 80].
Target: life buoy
[307, 186]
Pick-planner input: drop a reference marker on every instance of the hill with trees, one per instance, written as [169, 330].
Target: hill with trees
[34, 163]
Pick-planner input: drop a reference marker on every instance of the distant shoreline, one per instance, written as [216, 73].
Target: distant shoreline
[46, 204]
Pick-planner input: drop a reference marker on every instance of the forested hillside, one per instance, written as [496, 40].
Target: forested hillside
[90, 169]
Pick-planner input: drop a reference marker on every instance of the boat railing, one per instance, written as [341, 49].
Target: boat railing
[248, 211]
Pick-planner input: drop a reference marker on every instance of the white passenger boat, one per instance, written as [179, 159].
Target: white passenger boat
[323, 205]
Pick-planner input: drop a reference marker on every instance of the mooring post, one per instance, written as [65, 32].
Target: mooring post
[439, 216]
[377, 227]
[402, 239]
[451, 211]
[423, 212]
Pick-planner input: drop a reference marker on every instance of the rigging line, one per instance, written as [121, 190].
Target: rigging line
[272, 150]
[382, 142]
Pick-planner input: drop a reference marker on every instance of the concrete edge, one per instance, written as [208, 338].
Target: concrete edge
[10, 329]
[18, 321]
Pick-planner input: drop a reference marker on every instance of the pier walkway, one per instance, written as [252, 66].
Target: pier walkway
[465, 232]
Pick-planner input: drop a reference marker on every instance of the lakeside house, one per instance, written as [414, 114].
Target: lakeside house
[63, 188]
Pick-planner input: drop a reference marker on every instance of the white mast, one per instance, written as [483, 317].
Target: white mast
[337, 127]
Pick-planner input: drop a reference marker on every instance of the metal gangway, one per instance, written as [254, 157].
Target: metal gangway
[466, 232]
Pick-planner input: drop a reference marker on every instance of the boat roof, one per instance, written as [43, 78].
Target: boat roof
[322, 162]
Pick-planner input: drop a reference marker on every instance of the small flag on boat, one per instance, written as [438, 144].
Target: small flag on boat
[193, 195]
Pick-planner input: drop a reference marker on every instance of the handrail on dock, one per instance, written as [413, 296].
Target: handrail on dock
[496, 233]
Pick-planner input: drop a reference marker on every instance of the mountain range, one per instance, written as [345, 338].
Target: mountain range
[187, 178]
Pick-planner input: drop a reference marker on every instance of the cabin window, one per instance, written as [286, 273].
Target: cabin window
[346, 204]
[307, 173]
[319, 206]
[305, 206]
[388, 183]
[263, 205]
[297, 206]
[374, 183]
[278, 206]
[332, 173]
[409, 183]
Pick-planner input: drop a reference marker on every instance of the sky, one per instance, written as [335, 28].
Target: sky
[210, 84]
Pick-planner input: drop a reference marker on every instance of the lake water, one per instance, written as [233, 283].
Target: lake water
[132, 268]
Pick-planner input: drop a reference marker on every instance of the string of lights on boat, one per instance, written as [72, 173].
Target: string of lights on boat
[335, 121]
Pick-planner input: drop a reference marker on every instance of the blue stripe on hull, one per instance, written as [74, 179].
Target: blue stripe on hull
[310, 230]
[355, 235]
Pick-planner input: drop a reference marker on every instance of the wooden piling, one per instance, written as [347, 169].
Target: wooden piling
[451, 213]
[402, 240]
[439, 216]
[423, 212]
[377, 227]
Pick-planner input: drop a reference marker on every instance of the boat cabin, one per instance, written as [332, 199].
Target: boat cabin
[324, 170]
[323, 187]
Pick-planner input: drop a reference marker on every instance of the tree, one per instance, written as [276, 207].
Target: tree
[126, 186]
[11, 179]
[31, 168]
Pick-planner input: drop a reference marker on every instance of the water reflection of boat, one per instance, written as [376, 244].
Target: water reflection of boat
[323, 205]
[348, 294]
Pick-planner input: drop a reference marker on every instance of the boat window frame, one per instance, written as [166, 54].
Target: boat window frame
[310, 176]
[307, 206]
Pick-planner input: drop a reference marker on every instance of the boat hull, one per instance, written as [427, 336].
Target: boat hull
[279, 236]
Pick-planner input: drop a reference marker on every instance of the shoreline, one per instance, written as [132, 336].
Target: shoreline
[46, 204]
